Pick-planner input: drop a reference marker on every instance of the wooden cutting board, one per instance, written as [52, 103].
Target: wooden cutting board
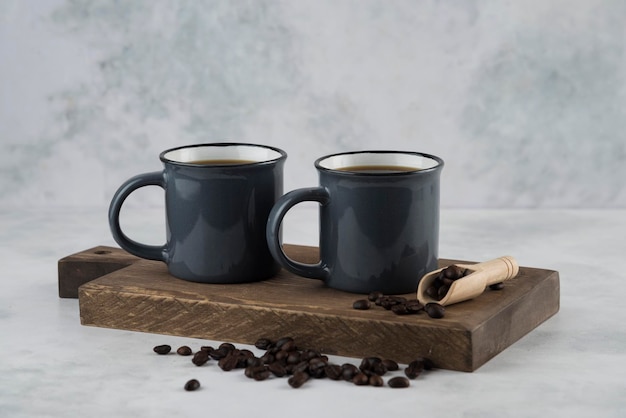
[118, 290]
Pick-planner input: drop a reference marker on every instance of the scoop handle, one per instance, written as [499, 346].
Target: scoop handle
[496, 270]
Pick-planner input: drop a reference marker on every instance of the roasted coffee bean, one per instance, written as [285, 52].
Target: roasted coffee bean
[428, 364]
[268, 358]
[230, 362]
[442, 291]
[200, 357]
[376, 380]
[361, 379]
[333, 371]
[316, 367]
[277, 369]
[263, 343]
[391, 365]
[453, 272]
[497, 286]
[400, 309]
[250, 371]
[374, 296]
[184, 351]
[348, 371]
[362, 304]
[298, 379]
[303, 366]
[399, 382]
[192, 385]
[309, 354]
[281, 355]
[218, 354]
[373, 365]
[289, 346]
[294, 357]
[262, 375]
[226, 347]
[414, 306]
[207, 348]
[282, 341]
[435, 310]
[254, 362]
[432, 292]
[162, 349]
[414, 368]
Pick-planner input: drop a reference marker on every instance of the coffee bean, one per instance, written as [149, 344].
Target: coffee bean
[376, 380]
[399, 382]
[294, 357]
[288, 346]
[414, 306]
[207, 348]
[497, 286]
[453, 272]
[250, 371]
[200, 357]
[400, 309]
[373, 366]
[262, 375]
[230, 362]
[192, 385]
[263, 343]
[282, 341]
[361, 379]
[298, 379]
[348, 371]
[432, 292]
[435, 310]
[333, 371]
[162, 349]
[374, 296]
[218, 354]
[277, 369]
[391, 365]
[226, 347]
[442, 291]
[414, 368]
[184, 351]
[361, 304]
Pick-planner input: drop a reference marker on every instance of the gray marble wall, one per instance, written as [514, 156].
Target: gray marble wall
[524, 100]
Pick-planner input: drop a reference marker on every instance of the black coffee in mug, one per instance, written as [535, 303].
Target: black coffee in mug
[379, 221]
[217, 201]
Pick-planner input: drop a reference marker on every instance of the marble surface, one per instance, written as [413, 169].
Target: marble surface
[573, 365]
[525, 101]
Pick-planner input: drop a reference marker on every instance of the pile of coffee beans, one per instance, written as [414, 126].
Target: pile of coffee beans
[399, 305]
[283, 358]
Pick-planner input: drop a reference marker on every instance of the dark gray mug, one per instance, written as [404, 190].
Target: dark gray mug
[379, 221]
[217, 200]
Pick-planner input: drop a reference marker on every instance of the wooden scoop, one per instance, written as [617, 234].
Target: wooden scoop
[473, 283]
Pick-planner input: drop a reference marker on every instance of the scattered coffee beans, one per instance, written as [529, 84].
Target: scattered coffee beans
[191, 385]
[399, 382]
[435, 310]
[162, 349]
[284, 358]
[184, 351]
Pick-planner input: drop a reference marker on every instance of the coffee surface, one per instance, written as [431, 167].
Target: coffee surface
[221, 162]
[379, 169]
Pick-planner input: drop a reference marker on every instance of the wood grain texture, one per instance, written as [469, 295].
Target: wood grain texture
[144, 297]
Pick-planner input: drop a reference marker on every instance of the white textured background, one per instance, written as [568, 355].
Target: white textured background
[525, 101]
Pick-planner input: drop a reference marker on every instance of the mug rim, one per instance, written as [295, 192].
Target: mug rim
[438, 166]
[282, 154]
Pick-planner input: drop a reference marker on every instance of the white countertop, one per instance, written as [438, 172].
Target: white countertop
[574, 364]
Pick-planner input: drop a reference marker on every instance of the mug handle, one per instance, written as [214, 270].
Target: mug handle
[278, 212]
[151, 252]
